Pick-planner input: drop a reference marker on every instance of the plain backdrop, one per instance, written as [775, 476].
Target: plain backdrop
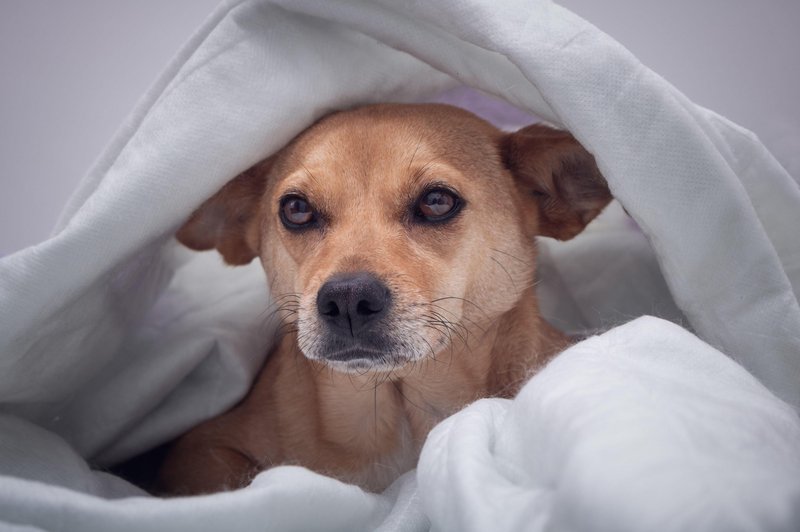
[72, 70]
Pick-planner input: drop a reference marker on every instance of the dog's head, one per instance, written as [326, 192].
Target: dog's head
[391, 231]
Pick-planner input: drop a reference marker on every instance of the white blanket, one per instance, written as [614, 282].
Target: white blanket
[108, 347]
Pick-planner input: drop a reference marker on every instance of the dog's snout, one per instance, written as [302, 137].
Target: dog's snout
[350, 302]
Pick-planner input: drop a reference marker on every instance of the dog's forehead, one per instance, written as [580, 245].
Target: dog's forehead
[371, 144]
[361, 143]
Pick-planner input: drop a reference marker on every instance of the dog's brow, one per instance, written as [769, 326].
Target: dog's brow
[309, 173]
[419, 143]
[293, 191]
[420, 173]
[300, 179]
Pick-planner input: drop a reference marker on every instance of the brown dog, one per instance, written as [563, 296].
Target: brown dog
[399, 244]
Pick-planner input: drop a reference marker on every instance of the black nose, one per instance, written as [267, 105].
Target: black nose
[349, 302]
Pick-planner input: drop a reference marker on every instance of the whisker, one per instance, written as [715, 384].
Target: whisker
[433, 353]
[412, 403]
[460, 299]
[279, 299]
[505, 270]
[475, 324]
[525, 262]
[454, 326]
[309, 174]
[414, 154]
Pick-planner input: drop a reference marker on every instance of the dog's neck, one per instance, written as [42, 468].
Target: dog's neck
[378, 414]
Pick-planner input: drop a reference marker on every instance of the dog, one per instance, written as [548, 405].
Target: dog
[399, 242]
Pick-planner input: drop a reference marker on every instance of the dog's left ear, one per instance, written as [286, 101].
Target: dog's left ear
[553, 170]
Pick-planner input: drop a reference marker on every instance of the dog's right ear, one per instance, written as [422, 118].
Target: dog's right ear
[228, 220]
[557, 176]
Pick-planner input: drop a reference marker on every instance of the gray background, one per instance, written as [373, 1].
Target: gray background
[72, 70]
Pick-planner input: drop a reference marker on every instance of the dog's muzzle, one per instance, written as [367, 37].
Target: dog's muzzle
[353, 307]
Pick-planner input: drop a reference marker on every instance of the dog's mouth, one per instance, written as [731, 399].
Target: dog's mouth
[356, 361]
[353, 354]
[359, 354]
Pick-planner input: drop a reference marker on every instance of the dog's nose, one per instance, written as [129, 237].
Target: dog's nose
[349, 302]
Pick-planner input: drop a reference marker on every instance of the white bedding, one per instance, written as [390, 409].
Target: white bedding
[108, 347]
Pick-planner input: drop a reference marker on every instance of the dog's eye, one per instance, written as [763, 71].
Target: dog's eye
[296, 212]
[437, 205]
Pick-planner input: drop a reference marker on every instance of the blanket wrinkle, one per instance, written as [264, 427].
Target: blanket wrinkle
[652, 364]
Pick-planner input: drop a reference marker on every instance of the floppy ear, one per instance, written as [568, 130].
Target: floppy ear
[555, 172]
[228, 220]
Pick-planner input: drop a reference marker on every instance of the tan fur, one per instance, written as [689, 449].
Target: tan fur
[463, 300]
